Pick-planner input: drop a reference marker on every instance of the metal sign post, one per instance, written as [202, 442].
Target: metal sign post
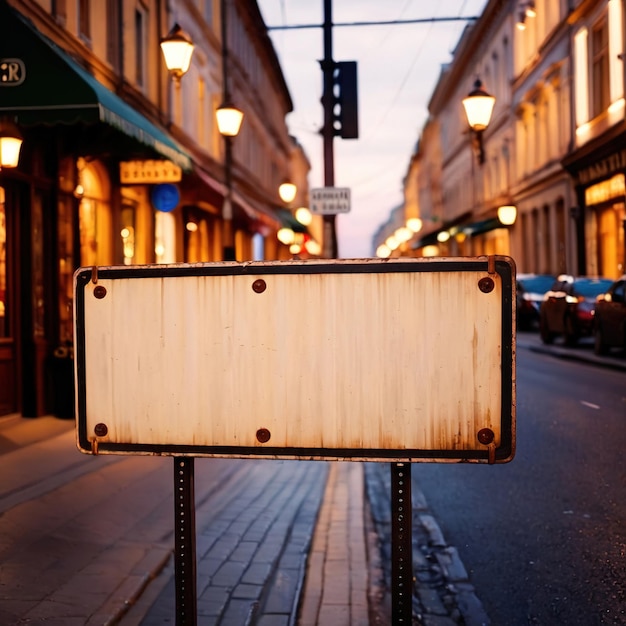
[185, 541]
[401, 545]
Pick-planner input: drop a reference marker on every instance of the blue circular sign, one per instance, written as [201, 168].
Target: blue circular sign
[165, 197]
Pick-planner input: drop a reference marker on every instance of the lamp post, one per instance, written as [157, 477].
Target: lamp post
[478, 105]
[229, 120]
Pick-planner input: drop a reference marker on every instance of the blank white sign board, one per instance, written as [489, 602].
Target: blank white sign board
[403, 359]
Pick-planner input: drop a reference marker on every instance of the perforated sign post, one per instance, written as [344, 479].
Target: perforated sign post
[402, 360]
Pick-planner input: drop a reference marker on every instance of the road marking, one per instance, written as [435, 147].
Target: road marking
[590, 405]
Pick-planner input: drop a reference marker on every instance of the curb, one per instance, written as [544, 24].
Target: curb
[572, 354]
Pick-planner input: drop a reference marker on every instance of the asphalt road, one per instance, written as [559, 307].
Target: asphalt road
[543, 537]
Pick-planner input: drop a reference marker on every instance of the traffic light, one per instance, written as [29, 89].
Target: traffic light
[345, 101]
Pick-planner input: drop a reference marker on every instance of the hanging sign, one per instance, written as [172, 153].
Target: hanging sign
[165, 197]
[150, 171]
[330, 200]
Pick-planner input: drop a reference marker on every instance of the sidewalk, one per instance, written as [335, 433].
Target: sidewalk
[89, 540]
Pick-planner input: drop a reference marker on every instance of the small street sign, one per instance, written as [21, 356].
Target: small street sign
[330, 200]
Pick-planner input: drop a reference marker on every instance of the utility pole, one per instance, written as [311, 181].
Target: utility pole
[345, 75]
[330, 250]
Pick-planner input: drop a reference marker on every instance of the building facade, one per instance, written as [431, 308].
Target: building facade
[552, 148]
[122, 165]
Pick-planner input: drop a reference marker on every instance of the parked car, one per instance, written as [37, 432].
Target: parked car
[568, 308]
[530, 291]
[609, 326]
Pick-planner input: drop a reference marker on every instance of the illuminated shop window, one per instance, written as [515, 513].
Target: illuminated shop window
[127, 233]
[165, 237]
[3, 268]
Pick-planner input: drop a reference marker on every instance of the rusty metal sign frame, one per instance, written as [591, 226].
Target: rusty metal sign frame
[487, 267]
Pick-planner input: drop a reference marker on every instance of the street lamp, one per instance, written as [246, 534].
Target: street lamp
[229, 120]
[287, 191]
[10, 144]
[304, 215]
[507, 214]
[478, 105]
[177, 49]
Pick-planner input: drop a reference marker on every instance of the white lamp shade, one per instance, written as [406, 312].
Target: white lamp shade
[286, 236]
[304, 216]
[229, 119]
[392, 243]
[10, 144]
[507, 214]
[10, 151]
[177, 50]
[383, 251]
[313, 247]
[287, 191]
[478, 107]
[403, 234]
[415, 224]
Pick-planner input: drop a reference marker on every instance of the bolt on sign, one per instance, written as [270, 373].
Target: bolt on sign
[374, 360]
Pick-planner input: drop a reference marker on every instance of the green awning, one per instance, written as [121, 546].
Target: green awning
[288, 220]
[41, 84]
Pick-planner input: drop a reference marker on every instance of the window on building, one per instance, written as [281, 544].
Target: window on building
[208, 11]
[600, 86]
[113, 33]
[59, 11]
[84, 19]
[140, 47]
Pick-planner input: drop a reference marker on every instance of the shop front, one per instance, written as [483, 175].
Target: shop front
[599, 172]
[66, 205]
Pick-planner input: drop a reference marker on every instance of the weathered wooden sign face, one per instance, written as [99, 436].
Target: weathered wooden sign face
[396, 360]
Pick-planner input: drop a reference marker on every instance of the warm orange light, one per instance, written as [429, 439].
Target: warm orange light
[478, 107]
[177, 49]
[229, 119]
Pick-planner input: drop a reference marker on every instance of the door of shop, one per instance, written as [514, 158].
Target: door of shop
[8, 313]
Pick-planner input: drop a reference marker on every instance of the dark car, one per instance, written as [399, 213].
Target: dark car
[530, 291]
[568, 308]
[609, 326]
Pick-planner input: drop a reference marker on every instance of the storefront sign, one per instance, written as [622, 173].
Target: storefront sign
[12, 72]
[603, 168]
[148, 172]
[165, 197]
[605, 191]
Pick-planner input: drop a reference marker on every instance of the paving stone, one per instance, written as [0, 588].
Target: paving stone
[283, 593]
[256, 573]
[430, 600]
[274, 620]
[451, 564]
[229, 574]
[247, 592]
[238, 612]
